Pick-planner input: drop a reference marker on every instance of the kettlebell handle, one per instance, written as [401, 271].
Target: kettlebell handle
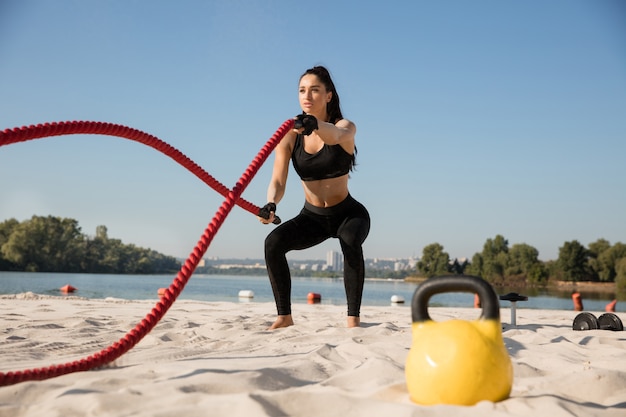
[455, 283]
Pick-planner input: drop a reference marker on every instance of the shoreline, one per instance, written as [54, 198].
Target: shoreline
[603, 287]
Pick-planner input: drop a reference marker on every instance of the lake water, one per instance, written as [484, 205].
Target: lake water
[227, 287]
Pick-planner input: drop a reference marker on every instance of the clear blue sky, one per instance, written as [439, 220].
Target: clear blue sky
[475, 118]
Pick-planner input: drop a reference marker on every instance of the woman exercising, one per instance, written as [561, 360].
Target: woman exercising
[322, 150]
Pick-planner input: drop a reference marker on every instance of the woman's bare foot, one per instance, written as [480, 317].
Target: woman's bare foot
[354, 321]
[282, 321]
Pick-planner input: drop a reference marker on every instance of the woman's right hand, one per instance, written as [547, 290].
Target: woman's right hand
[267, 221]
[267, 213]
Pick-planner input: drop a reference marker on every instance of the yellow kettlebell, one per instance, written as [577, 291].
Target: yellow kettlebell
[457, 362]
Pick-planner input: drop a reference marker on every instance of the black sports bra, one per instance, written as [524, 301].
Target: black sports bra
[331, 161]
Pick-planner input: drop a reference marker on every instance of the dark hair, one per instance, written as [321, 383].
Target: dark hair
[333, 109]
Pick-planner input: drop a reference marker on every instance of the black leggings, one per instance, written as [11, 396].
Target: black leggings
[348, 221]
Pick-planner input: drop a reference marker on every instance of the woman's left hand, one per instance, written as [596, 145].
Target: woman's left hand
[305, 123]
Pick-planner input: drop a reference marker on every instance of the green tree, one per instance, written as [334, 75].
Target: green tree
[596, 266]
[113, 259]
[523, 262]
[476, 266]
[52, 244]
[458, 266]
[538, 274]
[521, 259]
[494, 259]
[45, 244]
[620, 277]
[94, 253]
[573, 262]
[607, 261]
[553, 270]
[434, 261]
[6, 229]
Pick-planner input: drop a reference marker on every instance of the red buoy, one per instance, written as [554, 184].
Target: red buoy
[610, 307]
[578, 301]
[477, 301]
[314, 298]
[66, 289]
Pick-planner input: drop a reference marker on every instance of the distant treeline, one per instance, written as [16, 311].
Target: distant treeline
[519, 265]
[53, 244]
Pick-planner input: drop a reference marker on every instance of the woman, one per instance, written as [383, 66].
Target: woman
[322, 150]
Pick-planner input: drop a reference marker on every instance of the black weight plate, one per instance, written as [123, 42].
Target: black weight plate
[609, 321]
[585, 321]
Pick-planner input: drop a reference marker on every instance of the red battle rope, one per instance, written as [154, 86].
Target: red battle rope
[233, 197]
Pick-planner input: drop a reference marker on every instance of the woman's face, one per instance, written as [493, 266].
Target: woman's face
[313, 96]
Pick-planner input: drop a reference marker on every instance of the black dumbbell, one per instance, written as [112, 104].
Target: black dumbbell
[607, 321]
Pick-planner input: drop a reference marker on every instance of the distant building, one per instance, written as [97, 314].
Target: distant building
[334, 260]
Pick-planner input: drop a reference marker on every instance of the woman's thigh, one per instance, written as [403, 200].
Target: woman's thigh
[301, 232]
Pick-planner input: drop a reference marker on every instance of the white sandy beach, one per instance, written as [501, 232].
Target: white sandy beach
[218, 359]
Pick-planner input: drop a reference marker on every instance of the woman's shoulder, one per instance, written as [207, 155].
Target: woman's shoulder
[346, 124]
[288, 142]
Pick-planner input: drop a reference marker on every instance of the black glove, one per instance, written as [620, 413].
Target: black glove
[264, 212]
[306, 121]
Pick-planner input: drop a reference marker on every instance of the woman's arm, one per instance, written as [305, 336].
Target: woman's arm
[278, 182]
[342, 132]
[282, 156]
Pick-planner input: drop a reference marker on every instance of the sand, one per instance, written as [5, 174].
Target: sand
[218, 359]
